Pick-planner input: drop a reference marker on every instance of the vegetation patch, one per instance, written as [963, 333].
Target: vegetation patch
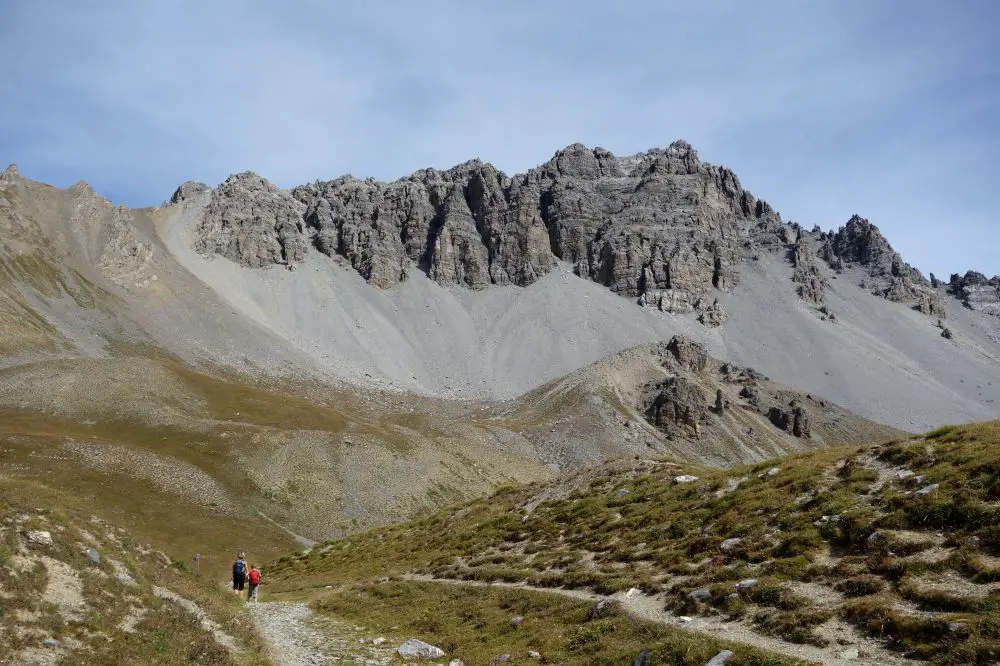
[477, 624]
[851, 529]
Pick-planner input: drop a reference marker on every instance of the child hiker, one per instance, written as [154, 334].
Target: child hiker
[254, 579]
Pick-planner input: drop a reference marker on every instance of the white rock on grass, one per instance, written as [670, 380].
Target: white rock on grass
[415, 649]
[685, 478]
[926, 490]
[719, 659]
[40, 537]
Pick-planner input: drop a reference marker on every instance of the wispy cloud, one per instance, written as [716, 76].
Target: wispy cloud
[824, 108]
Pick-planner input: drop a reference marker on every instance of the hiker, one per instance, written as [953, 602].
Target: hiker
[254, 579]
[239, 574]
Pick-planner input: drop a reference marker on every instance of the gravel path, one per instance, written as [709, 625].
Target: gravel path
[651, 608]
[298, 637]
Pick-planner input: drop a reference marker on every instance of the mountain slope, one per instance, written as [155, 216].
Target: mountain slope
[84, 277]
[897, 542]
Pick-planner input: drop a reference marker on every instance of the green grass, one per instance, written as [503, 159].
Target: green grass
[474, 625]
[166, 633]
[638, 529]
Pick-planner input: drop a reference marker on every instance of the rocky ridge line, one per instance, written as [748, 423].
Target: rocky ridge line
[661, 226]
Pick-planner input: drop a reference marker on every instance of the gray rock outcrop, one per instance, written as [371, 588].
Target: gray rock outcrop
[250, 221]
[9, 174]
[125, 259]
[714, 315]
[932, 305]
[860, 243]
[687, 353]
[661, 226]
[812, 285]
[675, 404]
[794, 419]
[187, 191]
[977, 292]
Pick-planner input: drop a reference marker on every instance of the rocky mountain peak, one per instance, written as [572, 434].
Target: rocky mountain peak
[188, 190]
[9, 173]
[579, 161]
[859, 242]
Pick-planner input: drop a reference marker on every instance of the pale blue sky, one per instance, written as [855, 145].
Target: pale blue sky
[824, 108]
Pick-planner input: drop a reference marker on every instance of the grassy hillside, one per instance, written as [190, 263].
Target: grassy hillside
[189, 461]
[899, 542]
[128, 605]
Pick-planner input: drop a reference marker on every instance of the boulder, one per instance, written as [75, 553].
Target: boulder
[701, 594]
[39, 537]
[720, 659]
[685, 478]
[601, 609]
[417, 649]
[730, 545]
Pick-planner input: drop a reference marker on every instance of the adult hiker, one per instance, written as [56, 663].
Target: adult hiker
[254, 579]
[239, 573]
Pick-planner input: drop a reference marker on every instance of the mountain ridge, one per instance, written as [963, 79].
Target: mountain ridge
[332, 222]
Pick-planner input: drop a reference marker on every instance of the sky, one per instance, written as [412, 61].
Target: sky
[825, 108]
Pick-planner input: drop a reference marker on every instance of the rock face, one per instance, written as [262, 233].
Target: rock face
[713, 316]
[187, 191]
[687, 353]
[860, 242]
[252, 222]
[811, 283]
[676, 403]
[125, 259]
[661, 226]
[977, 292]
[794, 419]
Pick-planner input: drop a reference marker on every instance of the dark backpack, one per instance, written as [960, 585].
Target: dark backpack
[239, 568]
